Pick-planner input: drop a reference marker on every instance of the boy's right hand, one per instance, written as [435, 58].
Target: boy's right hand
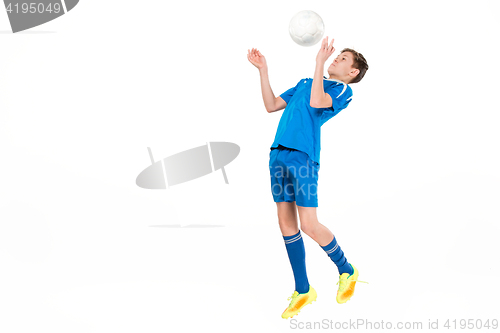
[257, 59]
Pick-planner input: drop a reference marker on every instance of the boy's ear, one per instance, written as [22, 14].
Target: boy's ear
[354, 72]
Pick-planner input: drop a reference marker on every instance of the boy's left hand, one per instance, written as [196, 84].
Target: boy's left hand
[325, 51]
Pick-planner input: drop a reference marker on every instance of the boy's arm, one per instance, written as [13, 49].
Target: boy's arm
[320, 99]
[271, 102]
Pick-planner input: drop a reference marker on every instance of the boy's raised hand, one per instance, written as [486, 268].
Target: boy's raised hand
[325, 51]
[257, 59]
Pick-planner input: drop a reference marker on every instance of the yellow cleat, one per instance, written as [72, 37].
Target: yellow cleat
[346, 285]
[298, 302]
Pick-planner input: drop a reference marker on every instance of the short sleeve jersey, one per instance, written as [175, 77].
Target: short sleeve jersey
[300, 124]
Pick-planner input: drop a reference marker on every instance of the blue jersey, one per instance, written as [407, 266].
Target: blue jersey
[300, 124]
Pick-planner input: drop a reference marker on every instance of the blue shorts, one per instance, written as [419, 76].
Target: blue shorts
[294, 177]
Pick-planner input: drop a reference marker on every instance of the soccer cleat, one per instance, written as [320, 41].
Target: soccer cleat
[346, 285]
[298, 302]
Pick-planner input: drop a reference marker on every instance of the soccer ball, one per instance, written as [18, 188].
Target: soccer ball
[306, 28]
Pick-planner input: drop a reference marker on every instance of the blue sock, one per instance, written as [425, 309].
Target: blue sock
[335, 253]
[297, 255]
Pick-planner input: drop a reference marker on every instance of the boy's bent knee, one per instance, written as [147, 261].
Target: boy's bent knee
[289, 229]
[308, 226]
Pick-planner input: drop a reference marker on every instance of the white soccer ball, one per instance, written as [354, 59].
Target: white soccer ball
[306, 28]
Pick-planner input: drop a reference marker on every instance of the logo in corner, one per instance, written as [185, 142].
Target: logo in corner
[24, 14]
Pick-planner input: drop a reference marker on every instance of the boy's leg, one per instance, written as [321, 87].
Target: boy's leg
[348, 274]
[304, 294]
[287, 217]
[323, 236]
[310, 225]
[283, 195]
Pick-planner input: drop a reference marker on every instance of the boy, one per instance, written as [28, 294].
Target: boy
[295, 150]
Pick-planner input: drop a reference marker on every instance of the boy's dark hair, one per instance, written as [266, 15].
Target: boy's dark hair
[359, 63]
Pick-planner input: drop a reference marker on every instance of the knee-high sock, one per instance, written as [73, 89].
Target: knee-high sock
[297, 255]
[337, 255]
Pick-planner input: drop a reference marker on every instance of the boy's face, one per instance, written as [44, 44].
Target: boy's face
[342, 65]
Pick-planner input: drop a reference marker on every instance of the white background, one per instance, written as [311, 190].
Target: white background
[409, 179]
